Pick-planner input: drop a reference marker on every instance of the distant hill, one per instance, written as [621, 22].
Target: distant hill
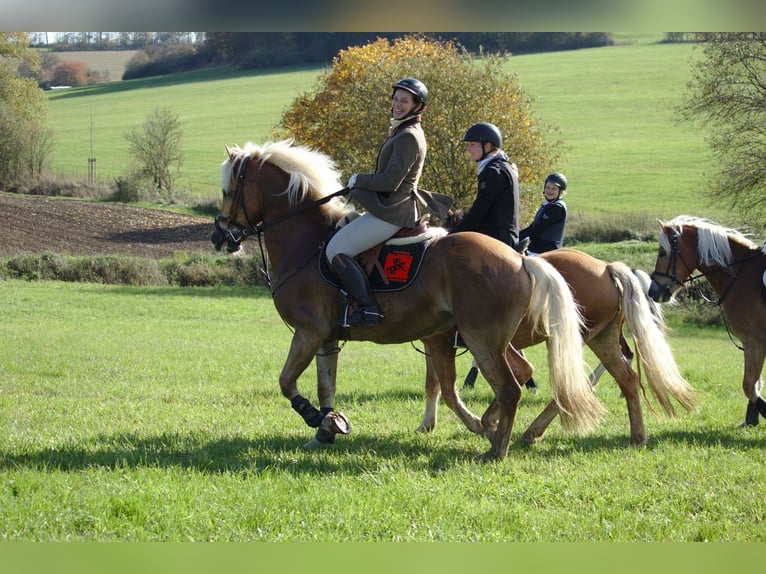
[112, 62]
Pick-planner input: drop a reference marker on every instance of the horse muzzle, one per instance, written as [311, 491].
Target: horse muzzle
[231, 237]
[659, 293]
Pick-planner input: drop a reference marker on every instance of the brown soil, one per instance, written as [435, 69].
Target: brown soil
[34, 225]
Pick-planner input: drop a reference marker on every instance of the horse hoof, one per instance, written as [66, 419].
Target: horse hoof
[336, 423]
[529, 438]
[486, 457]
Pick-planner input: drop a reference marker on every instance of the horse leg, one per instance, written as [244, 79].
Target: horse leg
[752, 382]
[536, 430]
[442, 358]
[332, 422]
[617, 360]
[522, 370]
[302, 350]
[428, 423]
[496, 369]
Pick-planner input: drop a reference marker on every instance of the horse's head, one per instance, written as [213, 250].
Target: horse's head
[676, 259]
[263, 185]
[240, 208]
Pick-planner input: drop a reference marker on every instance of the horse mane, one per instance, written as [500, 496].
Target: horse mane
[713, 240]
[311, 172]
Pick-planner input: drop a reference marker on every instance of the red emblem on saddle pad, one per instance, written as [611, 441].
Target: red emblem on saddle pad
[397, 265]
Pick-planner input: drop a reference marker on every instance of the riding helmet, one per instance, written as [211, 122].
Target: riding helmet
[415, 87]
[559, 179]
[484, 132]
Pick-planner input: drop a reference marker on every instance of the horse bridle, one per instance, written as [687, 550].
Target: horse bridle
[670, 271]
[235, 233]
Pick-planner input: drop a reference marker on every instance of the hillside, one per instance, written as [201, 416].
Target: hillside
[35, 225]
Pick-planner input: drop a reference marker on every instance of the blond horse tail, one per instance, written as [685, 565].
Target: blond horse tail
[554, 311]
[653, 351]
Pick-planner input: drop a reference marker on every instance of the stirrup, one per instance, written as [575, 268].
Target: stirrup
[364, 317]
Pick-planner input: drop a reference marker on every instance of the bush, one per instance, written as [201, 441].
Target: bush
[196, 270]
[347, 114]
[56, 185]
[69, 73]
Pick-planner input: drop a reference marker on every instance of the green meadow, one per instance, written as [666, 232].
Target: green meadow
[612, 108]
[153, 414]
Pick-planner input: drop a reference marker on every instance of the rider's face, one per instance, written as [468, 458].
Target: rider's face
[551, 191]
[475, 150]
[402, 104]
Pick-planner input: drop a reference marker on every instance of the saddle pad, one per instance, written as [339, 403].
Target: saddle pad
[389, 267]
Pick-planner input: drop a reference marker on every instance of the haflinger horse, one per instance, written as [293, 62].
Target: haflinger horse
[735, 267]
[281, 193]
[608, 295]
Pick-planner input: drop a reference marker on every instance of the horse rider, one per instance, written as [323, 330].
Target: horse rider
[390, 197]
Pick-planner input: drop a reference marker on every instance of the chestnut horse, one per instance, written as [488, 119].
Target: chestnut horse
[735, 267]
[609, 295]
[281, 194]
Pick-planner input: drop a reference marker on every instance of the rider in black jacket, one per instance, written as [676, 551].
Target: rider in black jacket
[495, 211]
[546, 232]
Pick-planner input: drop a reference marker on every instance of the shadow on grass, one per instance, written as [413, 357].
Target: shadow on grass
[236, 455]
[349, 455]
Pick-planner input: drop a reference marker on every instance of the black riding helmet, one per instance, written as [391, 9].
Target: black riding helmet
[484, 132]
[415, 87]
[559, 179]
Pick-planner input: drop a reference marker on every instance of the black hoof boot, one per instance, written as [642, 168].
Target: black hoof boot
[531, 386]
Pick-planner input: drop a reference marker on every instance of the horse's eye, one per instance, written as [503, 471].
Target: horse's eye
[663, 253]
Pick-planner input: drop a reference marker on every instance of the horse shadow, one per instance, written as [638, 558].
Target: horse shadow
[227, 455]
[286, 453]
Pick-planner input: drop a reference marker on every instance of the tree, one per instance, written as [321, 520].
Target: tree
[346, 114]
[156, 149]
[24, 136]
[727, 94]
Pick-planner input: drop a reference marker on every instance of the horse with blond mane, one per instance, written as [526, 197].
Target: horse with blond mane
[735, 267]
[282, 195]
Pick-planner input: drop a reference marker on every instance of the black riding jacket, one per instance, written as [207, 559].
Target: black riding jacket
[495, 211]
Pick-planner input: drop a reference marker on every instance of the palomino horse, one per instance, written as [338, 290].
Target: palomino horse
[280, 193]
[609, 295]
[734, 266]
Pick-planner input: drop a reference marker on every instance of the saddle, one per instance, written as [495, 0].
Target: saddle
[393, 264]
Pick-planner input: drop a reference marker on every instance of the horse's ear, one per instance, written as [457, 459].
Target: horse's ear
[228, 151]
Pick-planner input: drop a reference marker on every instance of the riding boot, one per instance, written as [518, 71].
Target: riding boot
[354, 281]
[470, 378]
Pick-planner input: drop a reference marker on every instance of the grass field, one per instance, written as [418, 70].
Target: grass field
[153, 414]
[625, 154]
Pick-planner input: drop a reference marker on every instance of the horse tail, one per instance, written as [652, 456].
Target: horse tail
[553, 310]
[645, 282]
[653, 351]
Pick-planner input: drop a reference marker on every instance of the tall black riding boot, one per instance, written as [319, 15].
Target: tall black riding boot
[354, 281]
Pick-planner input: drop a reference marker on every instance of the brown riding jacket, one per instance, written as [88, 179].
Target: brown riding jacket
[390, 193]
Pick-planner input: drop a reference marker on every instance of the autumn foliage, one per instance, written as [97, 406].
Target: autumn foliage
[346, 114]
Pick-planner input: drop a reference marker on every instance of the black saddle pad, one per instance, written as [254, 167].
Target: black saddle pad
[392, 268]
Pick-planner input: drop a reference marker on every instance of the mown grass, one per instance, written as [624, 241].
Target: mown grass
[153, 413]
